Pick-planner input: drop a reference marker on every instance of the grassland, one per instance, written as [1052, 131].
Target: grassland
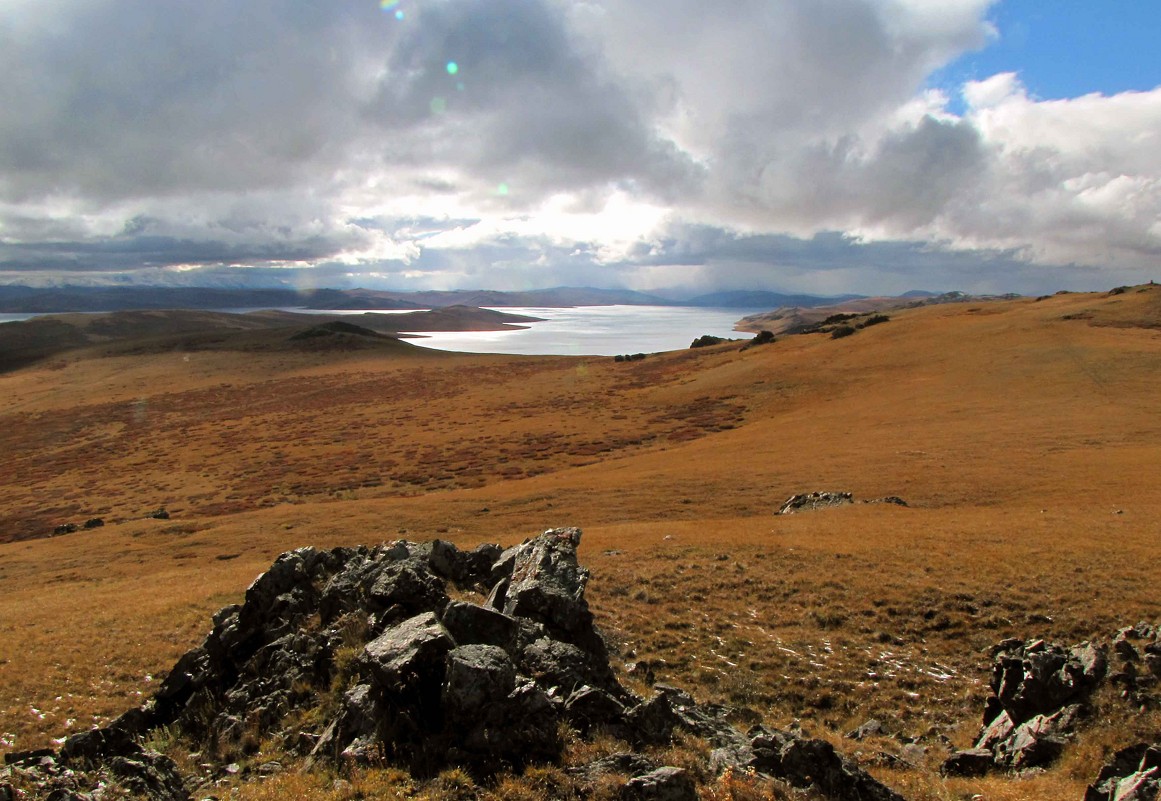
[1024, 434]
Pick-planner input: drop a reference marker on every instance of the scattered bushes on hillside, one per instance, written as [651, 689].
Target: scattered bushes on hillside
[837, 326]
[705, 340]
[761, 338]
[838, 318]
[635, 357]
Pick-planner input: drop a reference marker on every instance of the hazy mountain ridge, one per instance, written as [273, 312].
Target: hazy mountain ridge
[791, 319]
[37, 300]
[28, 341]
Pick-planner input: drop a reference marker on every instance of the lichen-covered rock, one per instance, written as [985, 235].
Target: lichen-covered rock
[472, 624]
[409, 586]
[477, 677]
[408, 654]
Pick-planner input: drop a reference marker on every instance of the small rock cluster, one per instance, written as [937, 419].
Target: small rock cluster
[1137, 650]
[803, 763]
[1133, 774]
[811, 501]
[1038, 695]
[359, 656]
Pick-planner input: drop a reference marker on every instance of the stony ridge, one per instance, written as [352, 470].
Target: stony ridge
[358, 655]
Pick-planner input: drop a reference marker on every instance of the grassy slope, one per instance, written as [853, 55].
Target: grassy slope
[1026, 443]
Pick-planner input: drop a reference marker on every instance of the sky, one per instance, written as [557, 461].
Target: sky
[823, 146]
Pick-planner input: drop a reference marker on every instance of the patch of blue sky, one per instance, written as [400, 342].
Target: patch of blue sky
[1064, 49]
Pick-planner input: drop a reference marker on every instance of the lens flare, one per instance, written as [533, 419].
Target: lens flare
[452, 68]
[387, 5]
[502, 189]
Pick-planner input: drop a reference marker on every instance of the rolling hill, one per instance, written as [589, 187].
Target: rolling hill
[1023, 435]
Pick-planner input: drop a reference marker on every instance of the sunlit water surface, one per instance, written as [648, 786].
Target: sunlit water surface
[596, 331]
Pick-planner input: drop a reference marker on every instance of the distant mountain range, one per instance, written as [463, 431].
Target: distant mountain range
[36, 300]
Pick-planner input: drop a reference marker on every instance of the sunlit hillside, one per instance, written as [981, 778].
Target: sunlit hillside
[1024, 436]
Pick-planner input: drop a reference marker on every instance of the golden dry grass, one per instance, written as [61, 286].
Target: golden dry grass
[1024, 434]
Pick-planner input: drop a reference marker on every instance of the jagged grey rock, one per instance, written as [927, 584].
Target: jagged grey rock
[663, 784]
[408, 651]
[1132, 774]
[478, 676]
[409, 677]
[804, 763]
[1039, 691]
[471, 624]
[625, 763]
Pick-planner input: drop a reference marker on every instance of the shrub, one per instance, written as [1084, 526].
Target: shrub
[705, 340]
[842, 331]
[838, 318]
[875, 319]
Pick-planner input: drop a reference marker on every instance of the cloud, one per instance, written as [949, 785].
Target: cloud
[610, 142]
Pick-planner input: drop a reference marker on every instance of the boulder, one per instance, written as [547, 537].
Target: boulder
[409, 652]
[472, 624]
[589, 708]
[407, 586]
[477, 677]
[663, 784]
[547, 584]
[969, 762]
[1037, 678]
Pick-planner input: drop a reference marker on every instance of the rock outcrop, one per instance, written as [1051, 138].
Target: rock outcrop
[810, 501]
[358, 656]
[1039, 692]
[804, 763]
[1133, 774]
